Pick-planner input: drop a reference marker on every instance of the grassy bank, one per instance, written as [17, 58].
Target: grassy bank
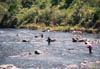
[59, 28]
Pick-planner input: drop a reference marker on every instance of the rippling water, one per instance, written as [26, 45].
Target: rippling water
[63, 51]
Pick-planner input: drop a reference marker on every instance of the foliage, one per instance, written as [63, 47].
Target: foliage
[81, 13]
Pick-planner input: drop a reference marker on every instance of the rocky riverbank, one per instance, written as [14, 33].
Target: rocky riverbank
[83, 65]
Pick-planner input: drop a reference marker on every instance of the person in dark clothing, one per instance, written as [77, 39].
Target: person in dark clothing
[41, 35]
[49, 40]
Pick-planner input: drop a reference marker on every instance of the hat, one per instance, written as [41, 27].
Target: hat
[88, 43]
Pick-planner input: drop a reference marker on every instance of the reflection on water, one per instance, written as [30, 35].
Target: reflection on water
[63, 51]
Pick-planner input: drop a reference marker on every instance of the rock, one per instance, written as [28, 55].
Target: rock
[25, 41]
[38, 52]
[48, 30]
[74, 66]
[85, 62]
[98, 62]
[75, 39]
[70, 49]
[98, 41]
[52, 40]
[44, 30]
[36, 36]
[8, 66]
[81, 40]
[30, 53]
[84, 65]
[77, 32]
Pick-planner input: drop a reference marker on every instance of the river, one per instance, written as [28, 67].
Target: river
[56, 55]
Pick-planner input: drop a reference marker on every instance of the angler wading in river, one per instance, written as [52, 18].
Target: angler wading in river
[49, 40]
[89, 46]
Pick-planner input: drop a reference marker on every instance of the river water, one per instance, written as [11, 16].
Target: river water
[56, 55]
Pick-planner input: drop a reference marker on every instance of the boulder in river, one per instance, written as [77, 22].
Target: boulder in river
[52, 40]
[84, 65]
[75, 39]
[74, 66]
[25, 41]
[36, 36]
[8, 66]
[71, 49]
[38, 52]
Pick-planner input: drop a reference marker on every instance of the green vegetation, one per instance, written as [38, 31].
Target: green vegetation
[94, 67]
[59, 15]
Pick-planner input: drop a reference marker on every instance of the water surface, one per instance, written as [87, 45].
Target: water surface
[56, 55]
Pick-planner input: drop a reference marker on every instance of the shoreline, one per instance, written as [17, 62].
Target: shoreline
[61, 29]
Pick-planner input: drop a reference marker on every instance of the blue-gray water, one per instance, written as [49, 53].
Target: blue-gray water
[63, 51]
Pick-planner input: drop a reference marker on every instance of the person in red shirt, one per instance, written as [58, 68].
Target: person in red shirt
[89, 47]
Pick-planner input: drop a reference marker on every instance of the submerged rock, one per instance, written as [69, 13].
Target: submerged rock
[71, 49]
[75, 39]
[30, 53]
